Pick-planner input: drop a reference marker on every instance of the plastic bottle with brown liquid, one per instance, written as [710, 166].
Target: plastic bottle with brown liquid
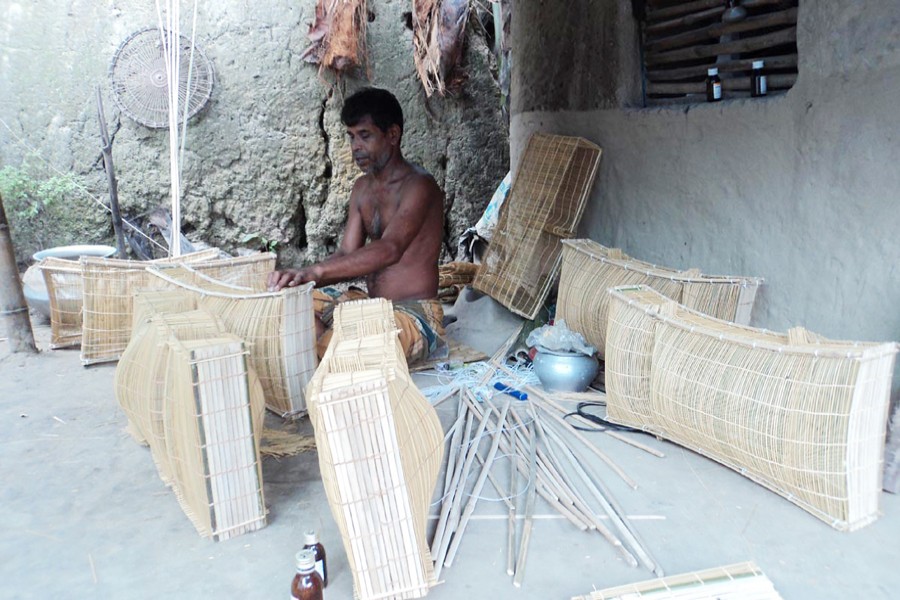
[311, 541]
[307, 584]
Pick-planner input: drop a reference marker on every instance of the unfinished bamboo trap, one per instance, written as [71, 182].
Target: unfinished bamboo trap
[110, 284]
[380, 450]
[742, 581]
[799, 414]
[589, 269]
[279, 328]
[188, 392]
[544, 207]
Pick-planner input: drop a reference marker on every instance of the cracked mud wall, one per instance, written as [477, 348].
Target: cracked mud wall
[268, 155]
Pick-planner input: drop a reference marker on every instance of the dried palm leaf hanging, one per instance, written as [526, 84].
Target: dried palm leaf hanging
[338, 36]
[439, 29]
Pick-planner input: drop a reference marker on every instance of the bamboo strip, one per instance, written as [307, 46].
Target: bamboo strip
[529, 511]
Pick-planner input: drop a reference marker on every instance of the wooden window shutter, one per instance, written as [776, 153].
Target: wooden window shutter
[682, 39]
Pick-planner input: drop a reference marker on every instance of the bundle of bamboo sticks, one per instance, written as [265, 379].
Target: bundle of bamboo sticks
[546, 455]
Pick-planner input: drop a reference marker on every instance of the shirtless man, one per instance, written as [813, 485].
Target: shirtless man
[398, 208]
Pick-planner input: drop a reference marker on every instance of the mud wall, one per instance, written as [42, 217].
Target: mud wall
[267, 155]
[799, 188]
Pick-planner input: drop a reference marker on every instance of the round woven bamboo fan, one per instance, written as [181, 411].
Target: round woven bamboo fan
[140, 82]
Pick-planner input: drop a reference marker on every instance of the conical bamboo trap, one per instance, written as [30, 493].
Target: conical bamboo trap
[380, 449]
[279, 328]
[544, 207]
[589, 269]
[110, 284]
[742, 581]
[798, 414]
[188, 391]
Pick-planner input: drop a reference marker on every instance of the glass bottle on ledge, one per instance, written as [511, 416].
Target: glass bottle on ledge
[713, 85]
[758, 82]
[307, 584]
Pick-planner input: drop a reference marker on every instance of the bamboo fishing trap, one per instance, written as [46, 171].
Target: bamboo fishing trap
[380, 447]
[799, 414]
[110, 284]
[189, 392]
[589, 269]
[544, 207]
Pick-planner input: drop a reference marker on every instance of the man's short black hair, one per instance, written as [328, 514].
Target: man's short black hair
[379, 104]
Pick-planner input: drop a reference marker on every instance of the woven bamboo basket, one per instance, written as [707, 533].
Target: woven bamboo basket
[802, 415]
[740, 581]
[279, 328]
[64, 290]
[380, 447]
[110, 284]
[544, 207]
[589, 269]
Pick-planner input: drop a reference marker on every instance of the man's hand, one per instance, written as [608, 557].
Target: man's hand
[291, 278]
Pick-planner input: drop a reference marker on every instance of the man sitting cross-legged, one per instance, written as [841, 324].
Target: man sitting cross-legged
[393, 233]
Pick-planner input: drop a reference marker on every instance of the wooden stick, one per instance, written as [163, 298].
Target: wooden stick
[450, 489]
[529, 512]
[511, 524]
[616, 519]
[479, 484]
[452, 514]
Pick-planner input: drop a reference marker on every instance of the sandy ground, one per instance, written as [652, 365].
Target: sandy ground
[83, 514]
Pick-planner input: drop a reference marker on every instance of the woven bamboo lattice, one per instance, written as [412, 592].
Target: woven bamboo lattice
[798, 414]
[589, 269]
[64, 290]
[742, 581]
[279, 328]
[544, 207]
[212, 437]
[380, 447]
[110, 284]
[189, 393]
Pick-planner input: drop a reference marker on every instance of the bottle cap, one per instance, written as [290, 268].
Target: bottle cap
[310, 538]
[306, 560]
[712, 71]
[758, 64]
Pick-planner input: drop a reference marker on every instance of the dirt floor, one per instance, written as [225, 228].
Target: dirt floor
[84, 515]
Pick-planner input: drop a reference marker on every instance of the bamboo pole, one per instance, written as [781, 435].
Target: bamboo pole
[106, 148]
[12, 300]
[529, 512]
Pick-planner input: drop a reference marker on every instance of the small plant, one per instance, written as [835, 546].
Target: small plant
[27, 197]
[260, 242]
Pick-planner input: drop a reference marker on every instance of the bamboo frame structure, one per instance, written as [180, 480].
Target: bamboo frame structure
[380, 449]
[189, 392]
[589, 269]
[64, 290]
[279, 328]
[741, 581]
[212, 437]
[110, 284]
[799, 414]
[544, 207]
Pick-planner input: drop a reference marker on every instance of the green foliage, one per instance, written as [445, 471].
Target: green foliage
[47, 209]
[26, 198]
[260, 242]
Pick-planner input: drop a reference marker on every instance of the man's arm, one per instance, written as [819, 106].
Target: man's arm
[358, 260]
[354, 238]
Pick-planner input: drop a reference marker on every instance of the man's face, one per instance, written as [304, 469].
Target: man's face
[372, 147]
